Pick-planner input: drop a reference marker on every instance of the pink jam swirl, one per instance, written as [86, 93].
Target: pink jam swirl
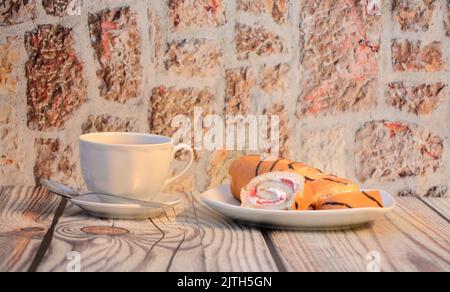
[281, 199]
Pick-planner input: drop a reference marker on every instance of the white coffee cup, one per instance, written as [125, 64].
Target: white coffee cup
[134, 165]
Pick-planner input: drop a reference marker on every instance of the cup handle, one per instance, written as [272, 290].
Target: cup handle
[178, 148]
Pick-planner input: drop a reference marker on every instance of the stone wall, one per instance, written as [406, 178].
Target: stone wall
[361, 87]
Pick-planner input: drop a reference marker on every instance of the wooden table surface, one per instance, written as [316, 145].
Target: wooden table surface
[40, 232]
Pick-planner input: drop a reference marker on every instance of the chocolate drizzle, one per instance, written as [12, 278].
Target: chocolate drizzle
[337, 204]
[373, 199]
[274, 165]
[336, 181]
[291, 167]
[318, 170]
[257, 168]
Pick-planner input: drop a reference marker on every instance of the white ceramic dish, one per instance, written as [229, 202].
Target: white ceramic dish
[221, 200]
[116, 208]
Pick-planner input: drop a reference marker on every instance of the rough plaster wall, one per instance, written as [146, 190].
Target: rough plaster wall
[359, 86]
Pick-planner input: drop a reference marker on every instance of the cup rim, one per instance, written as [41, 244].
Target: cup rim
[85, 139]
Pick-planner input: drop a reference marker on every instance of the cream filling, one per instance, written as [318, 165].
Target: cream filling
[272, 192]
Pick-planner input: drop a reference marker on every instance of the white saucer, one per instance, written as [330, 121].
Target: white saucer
[116, 208]
[221, 200]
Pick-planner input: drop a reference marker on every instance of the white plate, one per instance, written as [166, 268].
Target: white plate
[116, 208]
[221, 200]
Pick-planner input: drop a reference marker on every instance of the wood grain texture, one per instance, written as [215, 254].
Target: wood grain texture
[25, 216]
[190, 240]
[230, 246]
[415, 237]
[412, 238]
[168, 243]
[440, 205]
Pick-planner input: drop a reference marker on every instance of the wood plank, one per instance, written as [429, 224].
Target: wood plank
[26, 214]
[412, 238]
[231, 246]
[168, 243]
[440, 205]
